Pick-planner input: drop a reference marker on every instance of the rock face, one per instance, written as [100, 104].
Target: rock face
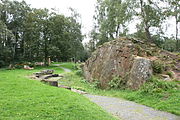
[120, 58]
[140, 72]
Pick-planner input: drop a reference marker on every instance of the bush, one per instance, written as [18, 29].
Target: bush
[96, 83]
[79, 72]
[78, 69]
[154, 85]
[117, 82]
[170, 74]
[158, 66]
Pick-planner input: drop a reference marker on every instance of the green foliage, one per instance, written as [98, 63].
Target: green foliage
[2, 63]
[29, 34]
[111, 20]
[170, 74]
[95, 84]
[79, 72]
[117, 83]
[154, 86]
[169, 44]
[158, 66]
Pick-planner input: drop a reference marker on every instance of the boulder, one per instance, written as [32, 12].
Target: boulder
[38, 74]
[120, 58]
[140, 72]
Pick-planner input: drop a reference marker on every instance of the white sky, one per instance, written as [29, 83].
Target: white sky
[85, 8]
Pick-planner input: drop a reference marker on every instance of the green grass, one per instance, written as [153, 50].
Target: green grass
[68, 65]
[160, 99]
[25, 99]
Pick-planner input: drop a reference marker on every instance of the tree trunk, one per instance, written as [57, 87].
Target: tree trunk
[111, 36]
[45, 53]
[177, 41]
[117, 31]
[145, 22]
[148, 35]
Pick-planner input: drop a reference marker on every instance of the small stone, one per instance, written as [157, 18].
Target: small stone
[166, 77]
[45, 72]
[63, 86]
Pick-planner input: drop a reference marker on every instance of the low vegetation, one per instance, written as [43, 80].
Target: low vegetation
[25, 99]
[161, 95]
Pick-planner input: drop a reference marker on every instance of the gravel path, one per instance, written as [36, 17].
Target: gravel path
[65, 69]
[127, 110]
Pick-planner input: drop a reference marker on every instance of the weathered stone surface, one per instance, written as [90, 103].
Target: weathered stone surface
[52, 75]
[50, 82]
[63, 86]
[116, 58]
[140, 72]
[43, 72]
[166, 77]
[46, 72]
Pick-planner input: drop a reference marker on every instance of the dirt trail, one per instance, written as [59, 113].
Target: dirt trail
[127, 110]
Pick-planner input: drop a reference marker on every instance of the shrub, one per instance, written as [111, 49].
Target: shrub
[96, 83]
[155, 85]
[170, 74]
[158, 66]
[79, 72]
[117, 82]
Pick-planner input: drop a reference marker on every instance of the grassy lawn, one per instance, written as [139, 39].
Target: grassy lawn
[161, 100]
[25, 99]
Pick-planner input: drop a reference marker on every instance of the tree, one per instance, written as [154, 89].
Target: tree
[173, 10]
[112, 17]
[13, 14]
[151, 18]
[29, 34]
[6, 45]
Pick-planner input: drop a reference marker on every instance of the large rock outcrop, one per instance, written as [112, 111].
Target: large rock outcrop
[129, 59]
[133, 61]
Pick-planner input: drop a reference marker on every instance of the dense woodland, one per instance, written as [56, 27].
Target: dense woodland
[30, 34]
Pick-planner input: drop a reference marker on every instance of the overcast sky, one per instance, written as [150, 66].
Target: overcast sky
[85, 8]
